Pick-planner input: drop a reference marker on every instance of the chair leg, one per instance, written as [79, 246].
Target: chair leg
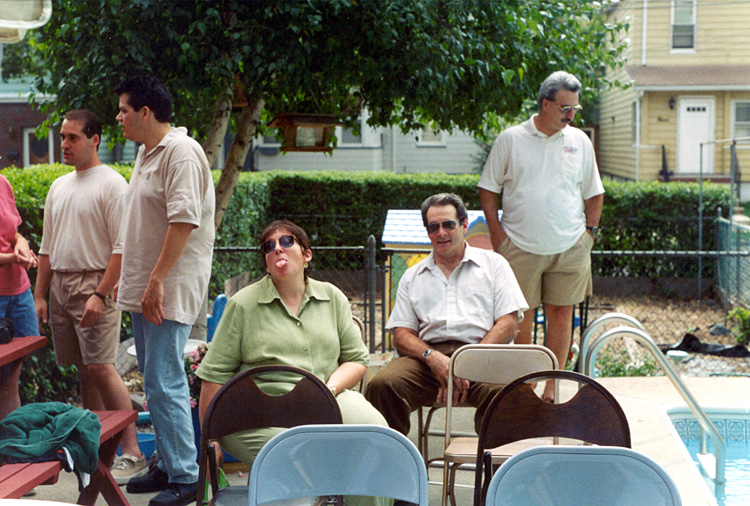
[446, 484]
[452, 489]
[426, 436]
[420, 432]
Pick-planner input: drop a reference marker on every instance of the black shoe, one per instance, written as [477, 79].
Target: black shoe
[153, 481]
[176, 494]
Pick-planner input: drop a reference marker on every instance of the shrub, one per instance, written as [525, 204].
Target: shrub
[742, 316]
[344, 208]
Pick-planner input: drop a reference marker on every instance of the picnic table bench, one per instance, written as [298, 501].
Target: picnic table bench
[17, 479]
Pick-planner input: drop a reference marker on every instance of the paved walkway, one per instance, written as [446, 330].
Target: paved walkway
[642, 399]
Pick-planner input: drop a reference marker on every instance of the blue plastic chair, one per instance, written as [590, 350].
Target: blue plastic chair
[329, 460]
[576, 475]
[212, 321]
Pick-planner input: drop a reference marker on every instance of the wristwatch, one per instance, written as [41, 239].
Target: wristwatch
[593, 230]
[101, 296]
[426, 353]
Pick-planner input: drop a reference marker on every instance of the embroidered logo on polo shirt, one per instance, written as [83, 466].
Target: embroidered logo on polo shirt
[570, 149]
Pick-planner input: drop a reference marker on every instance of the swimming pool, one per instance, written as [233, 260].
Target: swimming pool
[734, 427]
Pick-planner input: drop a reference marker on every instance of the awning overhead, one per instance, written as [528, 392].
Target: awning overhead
[690, 77]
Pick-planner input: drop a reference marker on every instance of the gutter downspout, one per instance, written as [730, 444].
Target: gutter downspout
[639, 102]
[638, 108]
[644, 29]
[393, 148]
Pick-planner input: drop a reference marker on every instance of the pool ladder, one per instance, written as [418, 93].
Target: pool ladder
[713, 465]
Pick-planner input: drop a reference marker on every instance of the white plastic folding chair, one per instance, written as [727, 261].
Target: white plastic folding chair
[576, 475]
[330, 460]
[486, 363]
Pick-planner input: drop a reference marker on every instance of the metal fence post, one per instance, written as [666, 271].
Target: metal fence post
[372, 271]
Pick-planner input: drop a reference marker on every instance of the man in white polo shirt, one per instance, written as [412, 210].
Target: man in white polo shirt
[552, 199]
[457, 295]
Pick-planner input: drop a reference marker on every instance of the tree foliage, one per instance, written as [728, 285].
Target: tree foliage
[450, 63]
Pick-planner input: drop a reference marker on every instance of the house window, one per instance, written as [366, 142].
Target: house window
[37, 150]
[683, 24]
[741, 121]
[269, 138]
[267, 143]
[430, 136]
[347, 138]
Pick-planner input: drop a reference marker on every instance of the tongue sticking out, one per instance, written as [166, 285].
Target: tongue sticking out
[281, 262]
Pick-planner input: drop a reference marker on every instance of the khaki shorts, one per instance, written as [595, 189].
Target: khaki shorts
[69, 292]
[562, 279]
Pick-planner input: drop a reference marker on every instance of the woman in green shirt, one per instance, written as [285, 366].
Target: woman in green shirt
[287, 318]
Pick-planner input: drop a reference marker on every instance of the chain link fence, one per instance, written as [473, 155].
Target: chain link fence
[345, 267]
[677, 297]
[734, 263]
[682, 298]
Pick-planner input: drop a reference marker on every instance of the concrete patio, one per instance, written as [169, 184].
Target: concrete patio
[642, 399]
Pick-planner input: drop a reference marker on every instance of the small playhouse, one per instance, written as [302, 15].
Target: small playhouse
[405, 233]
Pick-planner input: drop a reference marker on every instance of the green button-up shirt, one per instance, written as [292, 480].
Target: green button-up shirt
[258, 329]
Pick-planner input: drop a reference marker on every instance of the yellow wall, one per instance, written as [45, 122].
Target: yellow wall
[721, 39]
[617, 155]
[721, 35]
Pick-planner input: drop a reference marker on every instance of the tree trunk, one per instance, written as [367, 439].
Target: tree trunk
[218, 130]
[246, 127]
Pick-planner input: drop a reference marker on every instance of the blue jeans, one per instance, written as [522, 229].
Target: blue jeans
[20, 309]
[160, 353]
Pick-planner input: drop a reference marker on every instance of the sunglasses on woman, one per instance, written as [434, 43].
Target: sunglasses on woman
[286, 241]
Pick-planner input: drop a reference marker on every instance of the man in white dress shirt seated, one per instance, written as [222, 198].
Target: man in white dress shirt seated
[457, 295]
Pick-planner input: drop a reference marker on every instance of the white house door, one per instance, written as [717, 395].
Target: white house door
[695, 124]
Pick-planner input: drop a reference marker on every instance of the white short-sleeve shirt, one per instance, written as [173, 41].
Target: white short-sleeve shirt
[463, 307]
[544, 182]
[82, 215]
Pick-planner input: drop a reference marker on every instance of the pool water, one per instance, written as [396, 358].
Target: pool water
[737, 488]
[734, 427]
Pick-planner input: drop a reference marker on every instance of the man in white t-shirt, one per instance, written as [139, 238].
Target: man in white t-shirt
[79, 264]
[552, 199]
[167, 237]
[457, 295]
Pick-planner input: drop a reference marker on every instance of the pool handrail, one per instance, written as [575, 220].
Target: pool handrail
[594, 326]
[706, 425]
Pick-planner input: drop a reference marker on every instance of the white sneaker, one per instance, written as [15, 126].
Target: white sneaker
[127, 466]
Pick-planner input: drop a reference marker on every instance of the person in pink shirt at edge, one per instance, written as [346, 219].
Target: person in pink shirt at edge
[16, 301]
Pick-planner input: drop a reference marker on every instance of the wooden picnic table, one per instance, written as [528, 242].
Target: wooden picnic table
[19, 347]
[102, 481]
[17, 479]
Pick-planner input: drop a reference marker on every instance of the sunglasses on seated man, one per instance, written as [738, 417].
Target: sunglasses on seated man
[433, 228]
[286, 241]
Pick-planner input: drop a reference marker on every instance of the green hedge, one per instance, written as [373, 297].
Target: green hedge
[344, 208]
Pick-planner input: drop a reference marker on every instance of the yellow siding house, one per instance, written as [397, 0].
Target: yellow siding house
[689, 71]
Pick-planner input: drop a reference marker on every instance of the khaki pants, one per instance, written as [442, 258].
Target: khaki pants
[406, 384]
[68, 294]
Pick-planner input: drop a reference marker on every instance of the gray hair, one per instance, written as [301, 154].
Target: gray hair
[445, 199]
[555, 82]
